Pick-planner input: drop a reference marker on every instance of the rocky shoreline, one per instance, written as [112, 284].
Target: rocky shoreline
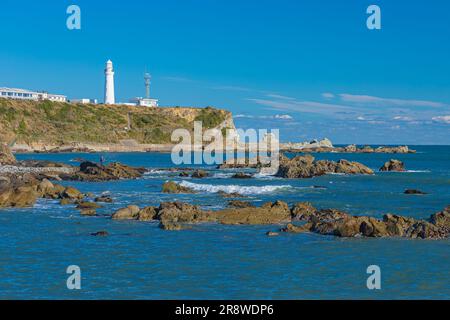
[349, 149]
[307, 167]
[23, 182]
[179, 215]
[133, 146]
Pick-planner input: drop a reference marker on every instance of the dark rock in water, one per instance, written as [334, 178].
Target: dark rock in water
[88, 212]
[320, 187]
[200, 174]
[72, 193]
[230, 195]
[241, 163]
[241, 175]
[393, 165]
[184, 174]
[106, 199]
[269, 213]
[335, 222]
[23, 191]
[82, 205]
[272, 234]
[170, 226]
[179, 215]
[147, 214]
[6, 156]
[18, 196]
[173, 187]
[303, 211]
[133, 212]
[44, 164]
[240, 204]
[66, 201]
[91, 171]
[442, 219]
[306, 167]
[174, 169]
[129, 213]
[100, 234]
[179, 212]
[414, 191]
[297, 229]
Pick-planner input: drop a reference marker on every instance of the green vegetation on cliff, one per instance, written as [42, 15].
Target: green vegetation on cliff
[64, 123]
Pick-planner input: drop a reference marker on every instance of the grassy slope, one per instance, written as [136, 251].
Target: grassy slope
[62, 123]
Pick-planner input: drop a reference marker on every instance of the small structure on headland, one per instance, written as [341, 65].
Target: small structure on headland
[23, 94]
[147, 101]
[84, 101]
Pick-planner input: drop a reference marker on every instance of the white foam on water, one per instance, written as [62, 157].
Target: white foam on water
[156, 171]
[223, 175]
[406, 171]
[233, 188]
[265, 176]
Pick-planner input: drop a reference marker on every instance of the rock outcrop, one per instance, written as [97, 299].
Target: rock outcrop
[306, 167]
[6, 157]
[200, 174]
[326, 146]
[91, 171]
[23, 191]
[414, 191]
[176, 215]
[393, 165]
[179, 215]
[335, 222]
[314, 144]
[241, 175]
[87, 171]
[173, 187]
[442, 219]
[245, 162]
[133, 212]
[240, 204]
[102, 233]
[105, 198]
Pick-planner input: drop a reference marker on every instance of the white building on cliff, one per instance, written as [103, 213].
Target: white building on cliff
[23, 94]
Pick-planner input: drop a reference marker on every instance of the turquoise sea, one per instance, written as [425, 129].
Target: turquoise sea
[138, 260]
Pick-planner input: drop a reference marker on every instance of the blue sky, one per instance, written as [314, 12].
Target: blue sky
[310, 68]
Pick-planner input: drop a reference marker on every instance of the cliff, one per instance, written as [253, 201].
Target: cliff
[46, 125]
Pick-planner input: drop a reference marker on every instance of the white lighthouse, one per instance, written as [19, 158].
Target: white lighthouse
[109, 83]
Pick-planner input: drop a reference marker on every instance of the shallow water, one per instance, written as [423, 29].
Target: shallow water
[139, 260]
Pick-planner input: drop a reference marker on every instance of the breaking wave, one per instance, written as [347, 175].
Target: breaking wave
[244, 190]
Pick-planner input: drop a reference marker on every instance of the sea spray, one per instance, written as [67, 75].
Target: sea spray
[244, 190]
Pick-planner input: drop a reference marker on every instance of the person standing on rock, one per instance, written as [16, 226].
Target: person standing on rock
[102, 160]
